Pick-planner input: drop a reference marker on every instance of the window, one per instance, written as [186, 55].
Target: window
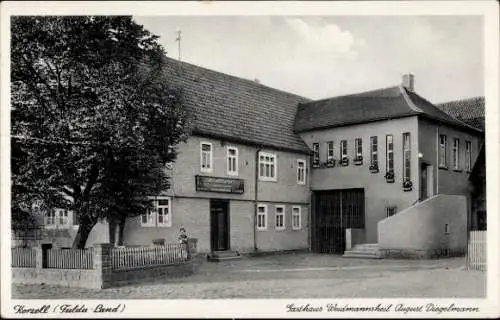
[343, 149]
[406, 156]
[456, 154]
[262, 217]
[50, 219]
[358, 145]
[468, 163]
[296, 225]
[301, 171]
[389, 153]
[57, 218]
[390, 211]
[280, 218]
[232, 161]
[442, 151]
[315, 154]
[159, 215]
[206, 157]
[446, 228]
[267, 167]
[373, 151]
[329, 151]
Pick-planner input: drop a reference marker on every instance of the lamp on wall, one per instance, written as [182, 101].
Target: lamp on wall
[420, 155]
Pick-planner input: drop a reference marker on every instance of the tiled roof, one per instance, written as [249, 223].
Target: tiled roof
[382, 104]
[470, 111]
[229, 107]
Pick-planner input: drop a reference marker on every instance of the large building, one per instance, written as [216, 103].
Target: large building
[266, 170]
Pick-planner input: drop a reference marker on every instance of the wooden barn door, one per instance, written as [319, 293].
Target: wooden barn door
[335, 211]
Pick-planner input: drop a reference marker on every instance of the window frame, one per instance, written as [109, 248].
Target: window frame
[343, 150]
[294, 227]
[283, 214]
[373, 150]
[202, 169]
[153, 215]
[330, 152]
[358, 148]
[315, 155]
[303, 161]
[51, 216]
[443, 151]
[257, 214]
[456, 154]
[468, 156]
[274, 163]
[407, 156]
[388, 209]
[388, 152]
[235, 172]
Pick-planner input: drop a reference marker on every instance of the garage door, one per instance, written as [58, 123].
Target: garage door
[334, 211]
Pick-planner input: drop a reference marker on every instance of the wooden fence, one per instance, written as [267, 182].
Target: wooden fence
[23, 258]
[476, 255]
[70, 259]
[133, 258]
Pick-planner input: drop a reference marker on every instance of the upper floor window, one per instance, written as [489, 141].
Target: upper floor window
[468, 157]
[206, 157]
[406, 156]
[159, 215]
[262, 217]
[358, 145]
[373, 151]
[232, 161]
[329, 151]
[442, 150]
[315, 154]
[296, 224]
[280, 218]
[57, 218]
[343, 149]
[301, 171]
[456, 154]
[267, 166]
[389, 153]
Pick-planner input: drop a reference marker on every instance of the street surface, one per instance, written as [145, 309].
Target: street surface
[303, 275]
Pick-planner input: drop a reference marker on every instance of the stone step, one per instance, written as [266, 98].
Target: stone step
[361, 255]
[223, 255]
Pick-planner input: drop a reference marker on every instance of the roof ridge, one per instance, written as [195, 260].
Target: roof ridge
[254, 83]
[408, 100]
[352, 94]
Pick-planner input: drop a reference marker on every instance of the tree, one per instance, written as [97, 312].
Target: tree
[93, 121]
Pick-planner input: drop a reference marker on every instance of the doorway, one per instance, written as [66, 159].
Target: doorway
[219, 225]
[335, 211]
[426, 181]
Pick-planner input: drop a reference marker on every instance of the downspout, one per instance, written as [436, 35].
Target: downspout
[438, 141]
[256, 198]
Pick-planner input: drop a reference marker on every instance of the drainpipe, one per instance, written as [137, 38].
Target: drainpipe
[437, 158]
[256, 192]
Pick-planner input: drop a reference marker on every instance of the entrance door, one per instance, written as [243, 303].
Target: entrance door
[335, 211]
[423, 181]
[219, 225]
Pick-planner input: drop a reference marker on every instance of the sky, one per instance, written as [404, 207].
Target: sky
[325, 56]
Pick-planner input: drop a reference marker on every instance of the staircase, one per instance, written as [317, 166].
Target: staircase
[223, 255]
[364, 251]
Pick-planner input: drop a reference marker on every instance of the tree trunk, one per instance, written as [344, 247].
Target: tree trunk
[84, 228]
[121, 230]
[112, 232]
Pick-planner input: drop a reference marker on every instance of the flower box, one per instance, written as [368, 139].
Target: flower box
[358, 161]
[389, 177]
[407, 185]
[316, 164]
[344, 162]
[374, 168]
[330, 163]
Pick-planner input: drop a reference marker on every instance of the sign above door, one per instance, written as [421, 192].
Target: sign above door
[219, 184]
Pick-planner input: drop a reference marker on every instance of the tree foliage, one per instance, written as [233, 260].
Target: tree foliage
[93, 121]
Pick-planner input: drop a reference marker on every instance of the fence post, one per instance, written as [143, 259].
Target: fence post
[38, 257]
[102, 264]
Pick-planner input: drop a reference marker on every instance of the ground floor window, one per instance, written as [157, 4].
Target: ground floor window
[159, 215]
[296, 225]
[262, 217]
[280, 218]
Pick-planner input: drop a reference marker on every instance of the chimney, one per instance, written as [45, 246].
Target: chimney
[409, 82]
